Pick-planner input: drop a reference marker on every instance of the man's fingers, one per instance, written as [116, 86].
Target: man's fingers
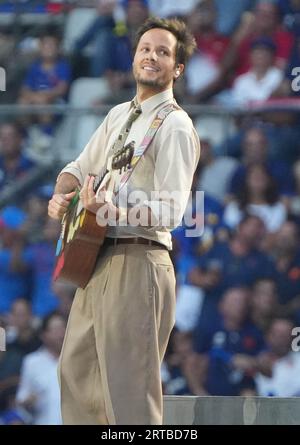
[55, 213]
[84, 190]
[86, 182]
[60, 200]
[70, 195]
[59, 204]
[56, 206]
[91, 192]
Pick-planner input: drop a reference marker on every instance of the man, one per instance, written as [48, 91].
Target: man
[120, 324]
[38, 391]
[281, 362]
[14, 164]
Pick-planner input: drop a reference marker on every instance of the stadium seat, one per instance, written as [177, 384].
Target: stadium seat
[215, 128]
[74, 132]
[77, 22]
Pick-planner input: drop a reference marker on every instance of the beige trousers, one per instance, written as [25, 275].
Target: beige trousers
[116, 337]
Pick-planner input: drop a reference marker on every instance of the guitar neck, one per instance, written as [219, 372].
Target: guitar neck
[99, 179]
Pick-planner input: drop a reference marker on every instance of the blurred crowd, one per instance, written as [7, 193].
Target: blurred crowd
[238, 284]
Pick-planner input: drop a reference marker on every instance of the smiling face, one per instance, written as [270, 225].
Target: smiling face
[154, 65]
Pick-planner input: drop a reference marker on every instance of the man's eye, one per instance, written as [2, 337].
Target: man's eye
[144, 50]
[163, 52]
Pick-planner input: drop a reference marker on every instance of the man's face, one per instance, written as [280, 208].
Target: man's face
[266, 16]
[287, 238]
[154, 61]
[234, 304]
[21, 314]
[262, 58]
[54, 334]
[10, 140]
[49, 48]
[252, 230]
[255, 146]
[136, 13]
[280, 336]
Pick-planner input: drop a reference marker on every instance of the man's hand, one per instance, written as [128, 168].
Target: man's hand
[101, 204]
[59, 204]
[88, 196]
[244, 362]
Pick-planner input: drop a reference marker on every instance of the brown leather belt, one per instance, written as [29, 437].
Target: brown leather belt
[137, 240]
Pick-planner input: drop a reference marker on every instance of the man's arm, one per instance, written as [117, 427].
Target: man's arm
[176, 160]
[66, 183]
[63, 193]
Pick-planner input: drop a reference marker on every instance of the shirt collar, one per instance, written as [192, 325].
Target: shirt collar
[154, 101]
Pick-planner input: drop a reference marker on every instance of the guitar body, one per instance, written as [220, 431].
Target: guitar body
[81, 237]
[78, 247]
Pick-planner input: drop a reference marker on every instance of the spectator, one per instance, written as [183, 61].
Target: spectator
[226, 349]
[282, 363]
[15, 279]
[258, 197]
[255, 150]
[13, 163]
[39, 390]
[262, 79]
[209, 58]
[36, 207]
[175, 363]
[263, 22]
[10, 415]
[203, 217]
[293, 202]
[264, 303]
[48, 79]
[47, 82]
[229, 14]
[212, 167]
[238, 262]
[290, 11]
[65, 294]
[8, 42]
[286, 255]
[20, 332]
[113, 41]
[120, 79]
[42, 260]
[105, 42]
[10, 368]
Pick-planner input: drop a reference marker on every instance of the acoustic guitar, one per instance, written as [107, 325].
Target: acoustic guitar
[81, 237]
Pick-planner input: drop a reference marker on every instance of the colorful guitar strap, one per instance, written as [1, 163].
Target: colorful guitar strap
[141, 150]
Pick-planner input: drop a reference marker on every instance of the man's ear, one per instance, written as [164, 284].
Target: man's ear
[178, 70]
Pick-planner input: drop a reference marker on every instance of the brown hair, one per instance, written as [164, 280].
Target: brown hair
[185, 41]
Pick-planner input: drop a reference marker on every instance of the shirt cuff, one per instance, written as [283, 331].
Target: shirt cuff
[73, 171]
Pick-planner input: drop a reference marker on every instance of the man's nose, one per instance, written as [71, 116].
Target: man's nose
[153, 55]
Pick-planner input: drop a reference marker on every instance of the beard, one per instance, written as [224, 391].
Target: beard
[154, 83]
